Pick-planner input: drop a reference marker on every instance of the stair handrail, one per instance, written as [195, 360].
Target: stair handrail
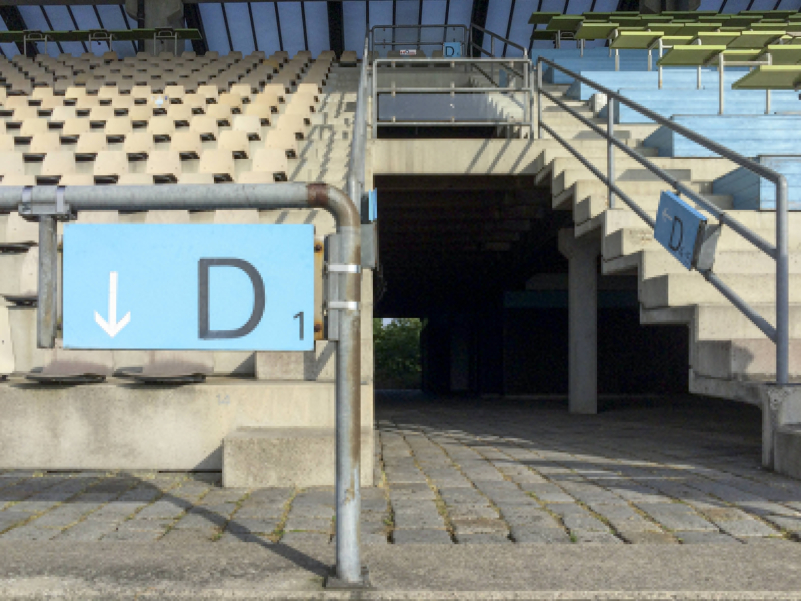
[493, 37]
[780, 334]
[358, 145]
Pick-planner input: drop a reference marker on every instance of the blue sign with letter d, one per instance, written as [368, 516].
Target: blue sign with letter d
[181, 287]
[678, 226]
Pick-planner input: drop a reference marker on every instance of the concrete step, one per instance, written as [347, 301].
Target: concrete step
[690, 288]
[720, 322]
[626, 241]
[730, 359]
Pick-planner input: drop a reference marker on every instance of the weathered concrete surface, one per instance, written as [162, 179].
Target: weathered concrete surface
[121, 425]
[267, 457]
[142, 571]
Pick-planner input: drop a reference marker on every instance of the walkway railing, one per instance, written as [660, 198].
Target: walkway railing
[780, 334]
[359, 140]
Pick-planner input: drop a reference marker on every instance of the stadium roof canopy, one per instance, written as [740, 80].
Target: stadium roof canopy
[308, 25]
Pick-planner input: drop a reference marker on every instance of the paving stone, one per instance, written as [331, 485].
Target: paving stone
[312, 511]
[421, 507]
[270, 496]
[454, 496]
[789, 524]
[746, 528]
[305, 523]
[418, 520]
[242, 537]
[133, 536]
[482, 539]
[146, 525]
[421, 537]
[593, 536]
[261, 511]
[536, 518]
[645, 537]
[535, 535]
[197, 521]
[251, 525]
[305, 538]
[164, 509]
[87, 531]
[10, 518]
[31, 533]
[479, 526]
[187, 537]
[116, 511]
[471, 512]
[676, 516]
[704, 538]
[624, 518]
[224, 510]
[548, 493]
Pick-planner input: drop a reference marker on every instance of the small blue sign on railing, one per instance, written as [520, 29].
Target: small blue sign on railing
[452, 49]
[679, 228]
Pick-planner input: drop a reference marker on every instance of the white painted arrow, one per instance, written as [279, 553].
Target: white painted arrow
[112, 327]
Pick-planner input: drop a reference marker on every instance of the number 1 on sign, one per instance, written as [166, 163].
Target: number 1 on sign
[299, 317]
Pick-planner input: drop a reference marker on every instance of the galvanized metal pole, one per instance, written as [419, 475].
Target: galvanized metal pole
[782, 285]
[721, 82]
[539, 100]
[47, 306]
[610, 148]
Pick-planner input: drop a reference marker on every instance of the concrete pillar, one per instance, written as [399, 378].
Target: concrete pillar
[160, 13]
[582, 255]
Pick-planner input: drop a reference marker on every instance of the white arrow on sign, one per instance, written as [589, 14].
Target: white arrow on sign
[112, 327]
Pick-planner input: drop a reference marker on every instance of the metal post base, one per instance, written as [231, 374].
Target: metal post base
[334, 583]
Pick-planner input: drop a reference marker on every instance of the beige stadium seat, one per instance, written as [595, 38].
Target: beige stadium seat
[242, 90]
[135, 179]
[7, 142]
[278, 89]
[205, 126]
[141, 94]
[73, 128]
[220, 163]
[297, 124]
[18, 179]
[264, 113]
[77, 179]
[30, 127]
[120, 103]
[50, 102]
[41, 144]
[175, 93]
[89, 144]
[209, 92]
[164, 166]
[117, 128]
[196, 178]
[309, 89]
[11, 163]
[109, 166]
[196, 102]
[268, 99]
[15, 102]
[107, 94]
[62, 113]
[220, 112]
[270, 161]
[187, 144]
[140, 116]
[181, 114]
[249, 124]
[284, 140]
[161, 127]
[138, 145]
[85, 102]
[233, 101]
[301, 104]
[56, 164]
[235, 142]
[98, 115]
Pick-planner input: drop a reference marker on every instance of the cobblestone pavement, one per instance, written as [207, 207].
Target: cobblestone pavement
[461, 471]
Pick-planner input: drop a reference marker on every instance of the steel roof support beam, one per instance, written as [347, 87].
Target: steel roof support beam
[478, 15]
[194, 21]
[336, 27]
[14, 21]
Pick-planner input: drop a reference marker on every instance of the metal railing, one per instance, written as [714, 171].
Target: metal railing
[493, 37]
[464, 41]
[780, 334]
[359, 139]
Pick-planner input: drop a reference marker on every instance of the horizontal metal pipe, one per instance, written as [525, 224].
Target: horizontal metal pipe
[741, 304]
[445, 59]
[446, 123]
[623, 196]
[735, 157]
[502, 39]
[447, 90]
[722, 216]
[191, 197]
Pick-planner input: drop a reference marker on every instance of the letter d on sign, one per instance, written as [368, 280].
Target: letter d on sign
[676, 245]
[203, 267]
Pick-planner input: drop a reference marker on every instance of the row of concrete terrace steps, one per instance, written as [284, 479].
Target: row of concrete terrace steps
[322, 155]
[725, 346]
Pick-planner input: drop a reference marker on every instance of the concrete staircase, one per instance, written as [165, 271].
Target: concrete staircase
[728, 356]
